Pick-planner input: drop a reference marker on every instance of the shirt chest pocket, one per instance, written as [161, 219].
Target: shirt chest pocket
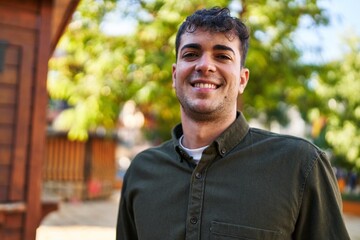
[226, 231]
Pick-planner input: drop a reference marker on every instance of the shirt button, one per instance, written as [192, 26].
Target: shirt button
[193, 220]
[198, 175]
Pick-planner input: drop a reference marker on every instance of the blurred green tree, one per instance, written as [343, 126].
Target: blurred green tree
[339, 114]
[83, 72]
[96, 73]
[279, 79]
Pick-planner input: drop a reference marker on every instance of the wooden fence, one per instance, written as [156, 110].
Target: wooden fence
[76, 170]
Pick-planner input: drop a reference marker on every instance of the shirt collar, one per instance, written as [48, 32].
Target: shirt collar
[231, 137]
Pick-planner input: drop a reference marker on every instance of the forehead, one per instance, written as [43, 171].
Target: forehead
[210, 38]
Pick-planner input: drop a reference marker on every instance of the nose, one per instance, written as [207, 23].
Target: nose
[205, 64]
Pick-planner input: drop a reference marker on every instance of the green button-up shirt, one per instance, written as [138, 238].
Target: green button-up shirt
[249, 184]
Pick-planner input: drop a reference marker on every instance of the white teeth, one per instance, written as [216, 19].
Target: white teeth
[205, 85]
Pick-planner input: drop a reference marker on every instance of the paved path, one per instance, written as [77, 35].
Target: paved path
[353, 226]
[95, 220]
[89, 220]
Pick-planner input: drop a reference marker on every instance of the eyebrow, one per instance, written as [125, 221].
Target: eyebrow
[216, 47]
[223, 47]
[191, 45]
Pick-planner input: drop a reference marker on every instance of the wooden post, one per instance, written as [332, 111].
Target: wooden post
[38, 131]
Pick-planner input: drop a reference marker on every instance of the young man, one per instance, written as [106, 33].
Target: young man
[218, 178]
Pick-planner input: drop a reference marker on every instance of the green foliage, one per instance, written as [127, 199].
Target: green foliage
[86, 71]
[278, 79]
[339, 89]
[96, 73]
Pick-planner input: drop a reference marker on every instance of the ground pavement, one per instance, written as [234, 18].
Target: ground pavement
[95, 220]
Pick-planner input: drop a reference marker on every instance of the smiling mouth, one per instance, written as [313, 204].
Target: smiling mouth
[205, 85]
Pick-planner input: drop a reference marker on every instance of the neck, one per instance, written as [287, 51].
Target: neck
[201, 133]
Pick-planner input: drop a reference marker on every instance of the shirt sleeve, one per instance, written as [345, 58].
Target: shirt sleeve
[320, 213]
[125, 227]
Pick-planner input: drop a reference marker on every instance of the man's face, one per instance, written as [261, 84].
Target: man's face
[208, 76]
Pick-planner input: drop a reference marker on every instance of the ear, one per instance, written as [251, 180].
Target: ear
[244, 78]
[173, 75]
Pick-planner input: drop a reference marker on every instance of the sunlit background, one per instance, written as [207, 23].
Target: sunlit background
[110, 76]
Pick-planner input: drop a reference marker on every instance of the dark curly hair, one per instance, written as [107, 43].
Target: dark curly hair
[216, 20]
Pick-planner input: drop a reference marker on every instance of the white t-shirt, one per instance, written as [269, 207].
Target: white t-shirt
[195, 153]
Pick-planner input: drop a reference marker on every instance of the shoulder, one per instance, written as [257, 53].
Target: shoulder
[297, 149]
[276, 139]
[153, 156]
[149, 159]
[162, 150]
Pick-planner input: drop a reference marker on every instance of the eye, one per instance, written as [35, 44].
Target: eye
[190, 55]
[223, 57]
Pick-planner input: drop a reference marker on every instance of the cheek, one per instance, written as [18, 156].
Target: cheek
[234, 88]
[235, 81]
[183, 69]
[179, 77]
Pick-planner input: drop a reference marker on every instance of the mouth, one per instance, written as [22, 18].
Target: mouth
[205, 85]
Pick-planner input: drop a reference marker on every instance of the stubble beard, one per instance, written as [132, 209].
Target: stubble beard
[202, 114]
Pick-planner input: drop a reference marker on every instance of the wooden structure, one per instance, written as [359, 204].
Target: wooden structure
[76, 170]
[29, 32]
